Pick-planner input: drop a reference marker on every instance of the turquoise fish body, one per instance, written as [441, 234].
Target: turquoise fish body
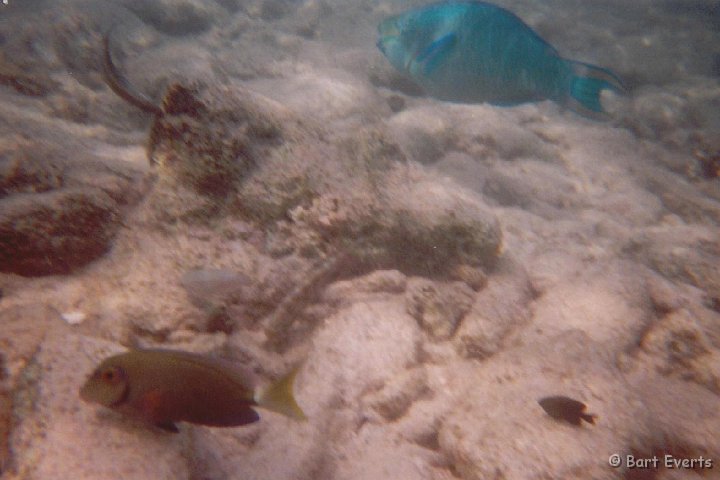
[471, 52]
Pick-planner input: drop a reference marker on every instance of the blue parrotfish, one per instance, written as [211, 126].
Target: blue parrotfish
[472, 52]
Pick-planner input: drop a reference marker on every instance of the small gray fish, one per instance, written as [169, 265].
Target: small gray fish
[567, 409]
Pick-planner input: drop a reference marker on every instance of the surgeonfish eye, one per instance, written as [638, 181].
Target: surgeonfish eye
[108, 385]
[112, 375]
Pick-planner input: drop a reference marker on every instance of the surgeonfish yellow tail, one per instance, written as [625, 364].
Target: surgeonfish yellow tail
[278, 397]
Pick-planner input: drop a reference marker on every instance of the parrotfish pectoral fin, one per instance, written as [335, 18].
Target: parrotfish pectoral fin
[587, 84]
[435, 52]
[279, 397]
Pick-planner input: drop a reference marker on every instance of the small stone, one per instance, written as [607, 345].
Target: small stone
[396, 103]
[73, 318]
[399, 393]
[379, 281]
[474, 277]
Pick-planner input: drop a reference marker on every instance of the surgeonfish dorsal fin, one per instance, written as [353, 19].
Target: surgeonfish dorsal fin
[278, 397]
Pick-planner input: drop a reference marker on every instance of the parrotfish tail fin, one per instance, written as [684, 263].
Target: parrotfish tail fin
[588, 82]
[279, 397]
[589, 417]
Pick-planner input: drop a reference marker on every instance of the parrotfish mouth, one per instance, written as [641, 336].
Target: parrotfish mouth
[388, 32]
[388, 28]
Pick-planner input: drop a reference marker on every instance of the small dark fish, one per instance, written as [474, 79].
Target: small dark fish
[121, 87]
[565, 408]
[162, 387]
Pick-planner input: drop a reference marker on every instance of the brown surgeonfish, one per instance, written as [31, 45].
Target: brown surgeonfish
[567, 409]
[162, 387]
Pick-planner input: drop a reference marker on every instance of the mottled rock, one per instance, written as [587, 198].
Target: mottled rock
[210, 142]
[684, 253]
[256, 158]
[357, 350]
[55, 232]
[59, 208]
[394, 399]
[14, 76]
[437, 225]
[270, 9]
[370, 456]
[682, 421]
[682, 197]
[365, 287]
[609, 302]
[422, 134]
[474, 277]
[438, 307]
[279, 322]
[74, 34]
[57, 432]
[682, 346]
[185, 17]
[422, 420]
[665, 296]
[5, 416]
[498, 310]
[24, 167]
[519, 184]
[24, 329]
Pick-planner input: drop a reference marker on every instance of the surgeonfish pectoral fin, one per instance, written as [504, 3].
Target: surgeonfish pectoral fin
[279, 397]
[431, 56]
[168, 427]
[589, 417]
